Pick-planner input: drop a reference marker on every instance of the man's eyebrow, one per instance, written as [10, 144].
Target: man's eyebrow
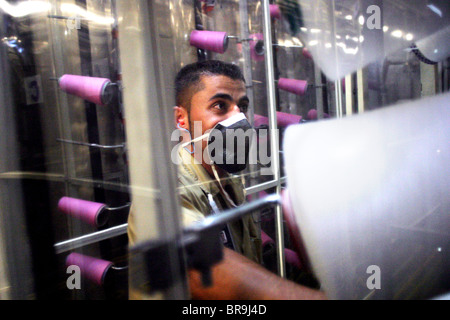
[244, 99]
[221, 96]
[228, 97]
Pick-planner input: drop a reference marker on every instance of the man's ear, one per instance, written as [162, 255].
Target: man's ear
[181, 117]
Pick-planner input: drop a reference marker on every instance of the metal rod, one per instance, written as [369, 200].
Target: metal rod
[348, 95]
[67, 17]
[319, 91]
[224, 217]
[338, 97]
[287, 46]
[118, 208]
[279, 234]
[239, 40]
[361, 85]
[119, 268]
[95, 145]
[56, 177]
[261, 187]
[94, 237]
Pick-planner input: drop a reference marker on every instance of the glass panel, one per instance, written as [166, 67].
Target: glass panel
[242, 22]
[344, 36]
[71, 159]
[303, 96]
[373, 54]
[88, 96]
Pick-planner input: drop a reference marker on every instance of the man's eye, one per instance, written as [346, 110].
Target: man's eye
[220, 105]
[243, 107]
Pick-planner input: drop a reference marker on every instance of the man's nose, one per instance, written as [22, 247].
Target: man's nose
[233, 111]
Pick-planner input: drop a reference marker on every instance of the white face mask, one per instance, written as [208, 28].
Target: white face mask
[228, 143]
[228, 146]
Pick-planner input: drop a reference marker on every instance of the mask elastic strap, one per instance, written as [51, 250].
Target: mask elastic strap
[227, 196]
[184, 145]
[192, 141]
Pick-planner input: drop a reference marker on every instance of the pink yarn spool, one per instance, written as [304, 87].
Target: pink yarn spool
[215, 41]
[265, 239]
[91, 268]
[312, 115]
[293, 85]
[292, 258]
[90, 212]
[283, 119]
[257, 46]
[89, 88]
[286, 119]
[275, 12]
[260, 120]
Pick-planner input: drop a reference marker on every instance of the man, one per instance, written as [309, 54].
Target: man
[211, 93]
[207, 94]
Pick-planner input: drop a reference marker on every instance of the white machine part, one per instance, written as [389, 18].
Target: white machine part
[371, 197]
[346, 35]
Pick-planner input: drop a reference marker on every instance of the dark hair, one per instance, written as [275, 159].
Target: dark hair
[189, 77]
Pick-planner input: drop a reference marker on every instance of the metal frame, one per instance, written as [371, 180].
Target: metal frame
[140, 118]
[274, 144]
[349, 95]
[144, 94]
[247, 66]
[338, 98]
[362, 87]
[16, 274]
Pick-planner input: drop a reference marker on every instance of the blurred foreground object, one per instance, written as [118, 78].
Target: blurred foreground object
[371, 197]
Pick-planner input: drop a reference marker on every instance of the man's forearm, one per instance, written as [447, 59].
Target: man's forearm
[238, 278]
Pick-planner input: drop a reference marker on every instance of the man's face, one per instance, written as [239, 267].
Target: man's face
[220, 99]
